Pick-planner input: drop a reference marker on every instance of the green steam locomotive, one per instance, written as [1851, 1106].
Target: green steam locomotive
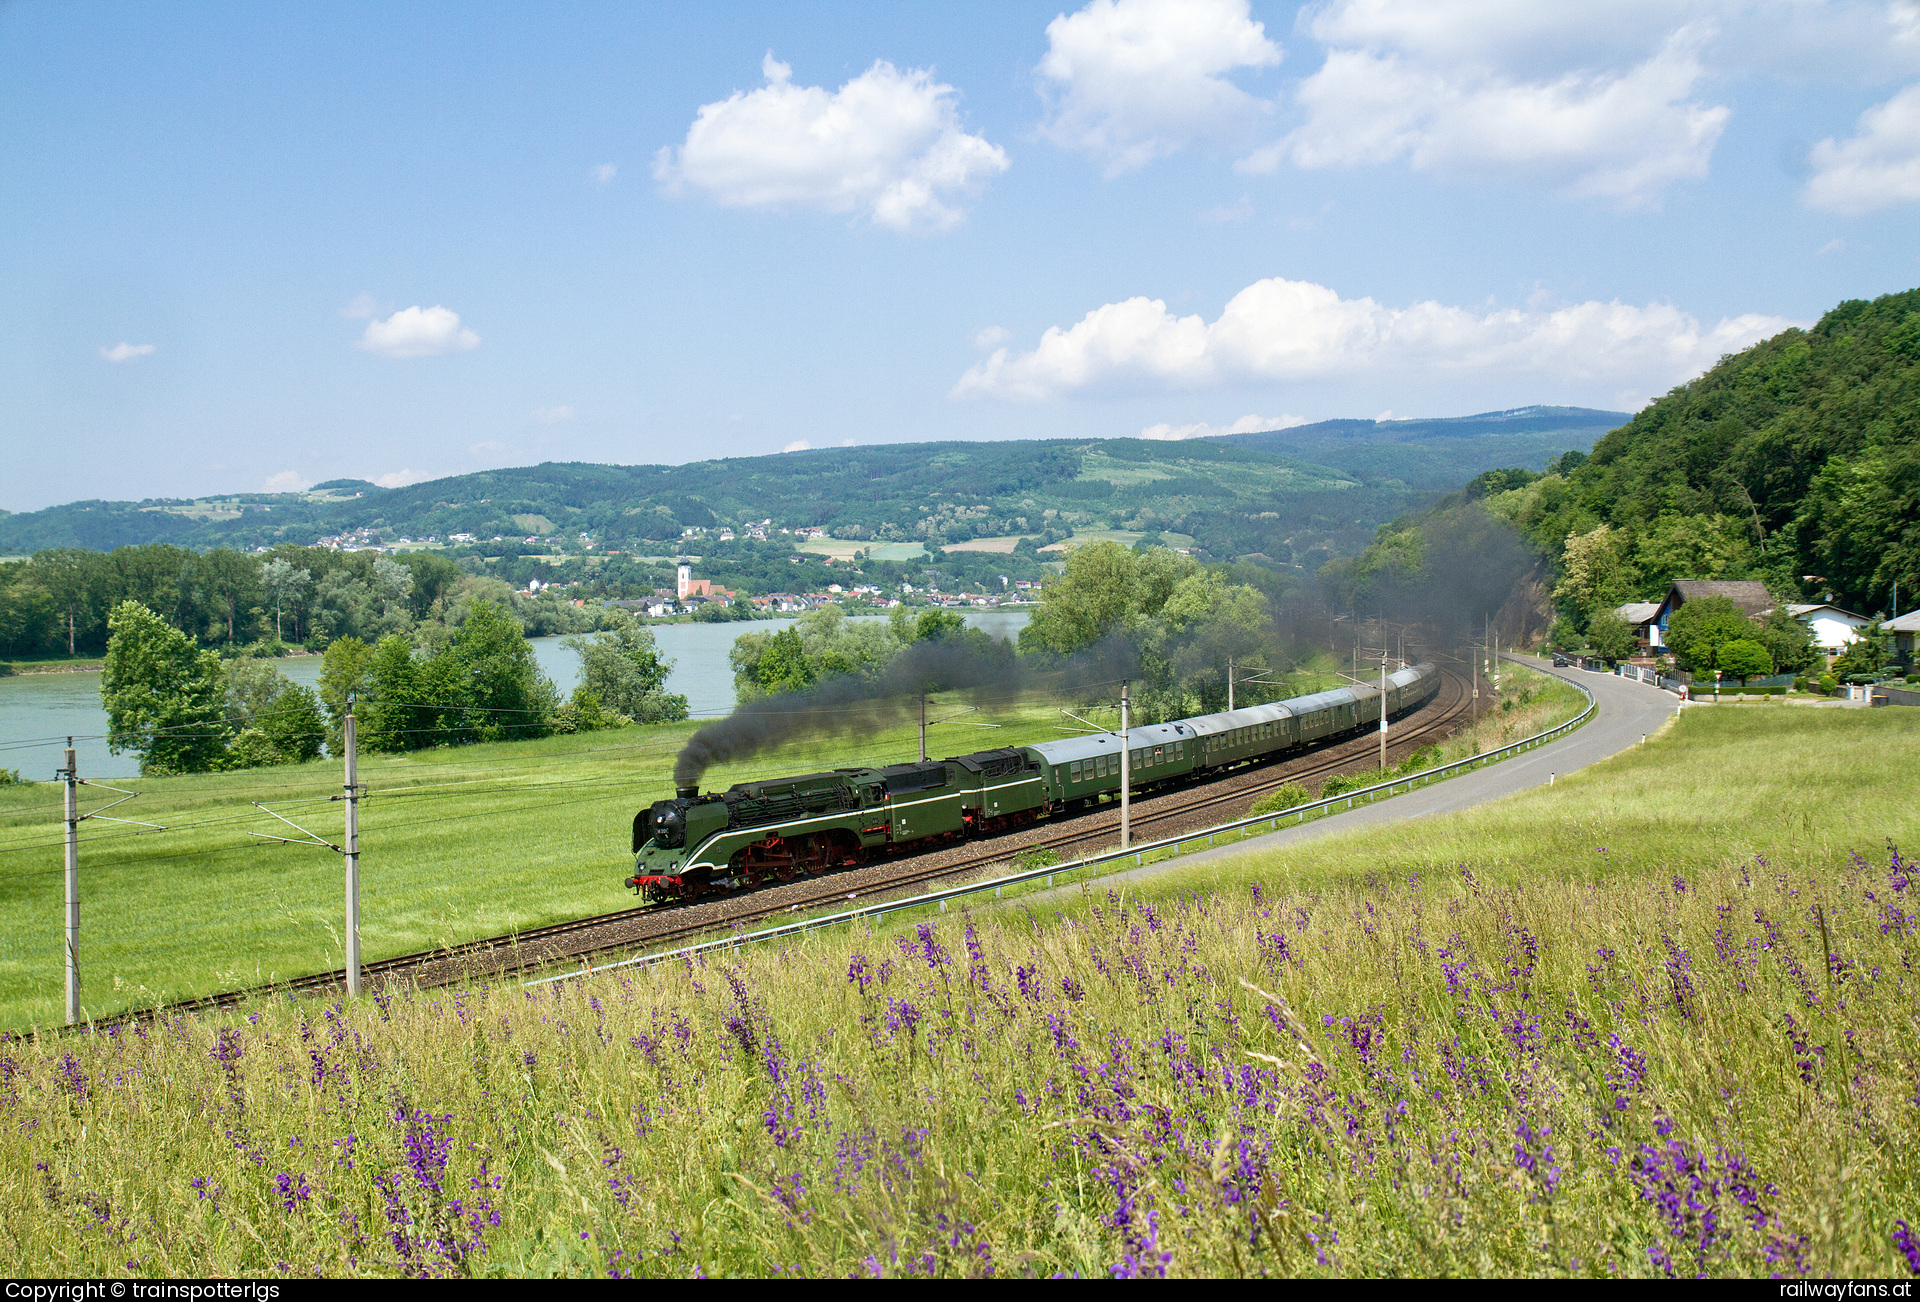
[782, 828]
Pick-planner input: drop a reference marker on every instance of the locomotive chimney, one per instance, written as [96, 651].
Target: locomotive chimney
[691, 792]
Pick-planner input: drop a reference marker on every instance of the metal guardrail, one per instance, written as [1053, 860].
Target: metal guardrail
[1137, 853]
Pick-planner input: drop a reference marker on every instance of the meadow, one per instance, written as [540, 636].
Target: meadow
[1560, 1035]
[456, 844]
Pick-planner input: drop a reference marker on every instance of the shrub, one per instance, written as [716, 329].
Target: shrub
[1035, 856]
[1341, 783]
[9, 777]
[1424, 758]
[1828, 682]
[1285, 797]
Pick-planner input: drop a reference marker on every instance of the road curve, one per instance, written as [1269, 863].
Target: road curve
[1628, 711]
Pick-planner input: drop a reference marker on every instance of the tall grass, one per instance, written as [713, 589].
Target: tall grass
[1418, 1074]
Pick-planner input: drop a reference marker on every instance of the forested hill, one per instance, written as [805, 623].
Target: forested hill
[1230, 500]
[1796, 462]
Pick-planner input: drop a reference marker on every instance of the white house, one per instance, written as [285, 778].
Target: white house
[1832, 627]
[1905, 631]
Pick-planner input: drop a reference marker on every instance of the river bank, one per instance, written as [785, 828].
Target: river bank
[40, 709]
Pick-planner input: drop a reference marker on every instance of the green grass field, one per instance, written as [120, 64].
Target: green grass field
[456, 844]
[1801, 787]
[1580, 1032]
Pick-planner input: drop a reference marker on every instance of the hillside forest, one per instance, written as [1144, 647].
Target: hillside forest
[1796, 462]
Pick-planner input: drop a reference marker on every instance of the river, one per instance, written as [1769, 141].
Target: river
[38, 712]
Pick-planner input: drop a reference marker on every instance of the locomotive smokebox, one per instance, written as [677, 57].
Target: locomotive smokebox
[688, 792]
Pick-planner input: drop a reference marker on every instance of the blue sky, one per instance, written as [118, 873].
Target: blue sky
[245, 247]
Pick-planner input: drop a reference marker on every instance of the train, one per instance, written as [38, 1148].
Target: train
[778, 829]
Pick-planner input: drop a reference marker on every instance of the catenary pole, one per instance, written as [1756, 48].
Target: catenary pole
[1126, 772]
[352, 844]
[1229, 682]
[923, 729]
[1383, 710]
[72, 776]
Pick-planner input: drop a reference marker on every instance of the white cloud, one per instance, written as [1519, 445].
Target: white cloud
[126, 352]
[361, 307]
[1136, 80]
[400, 478]
[552, 415]
[487, 448]
[287, 481]
[418, 332]
[1200, 430]
[1287, 330]
[1831, 246]
[798, 445]
[602, 174]
[887, 145]
[846, 443]
[1877, 167]
[1598, 102]
[992, 337]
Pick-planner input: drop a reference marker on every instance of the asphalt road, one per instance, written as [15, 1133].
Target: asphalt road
[1627, 712]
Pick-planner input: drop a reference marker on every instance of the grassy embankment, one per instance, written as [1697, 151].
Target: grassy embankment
[456, 844]
[50, 664]
[1582, 1031]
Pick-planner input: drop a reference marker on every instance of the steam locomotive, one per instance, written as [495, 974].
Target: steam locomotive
[783, 828]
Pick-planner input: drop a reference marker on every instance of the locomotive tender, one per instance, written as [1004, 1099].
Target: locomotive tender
[781, 828]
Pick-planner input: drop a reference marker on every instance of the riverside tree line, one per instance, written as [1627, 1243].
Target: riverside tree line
[468, 674]
[60, 601]
[186, 709]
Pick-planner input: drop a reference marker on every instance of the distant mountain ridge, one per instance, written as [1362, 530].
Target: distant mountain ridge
[1437, 453]
[1237, 495]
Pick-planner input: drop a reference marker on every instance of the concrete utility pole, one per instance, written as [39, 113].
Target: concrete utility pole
[71, 775]
[923, 729]
[1383, 711]
[1126, 773]
[352, 852]
[1229, 682]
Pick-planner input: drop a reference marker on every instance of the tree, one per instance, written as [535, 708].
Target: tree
[64, 572]
[165, 698]
[1698, 630]
[492, 663]
[273, 720]
[343, 675]
[1596, 576]
[1105, 587]
[1788, 642]
[1611, 636]
[393, 581]
[284, 583]
[1744, 658]
[1693, 547]
[783, 665]
[622, 669]
[231, 580]
[1866, 654]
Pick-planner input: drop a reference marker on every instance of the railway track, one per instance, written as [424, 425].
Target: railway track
[627, 928]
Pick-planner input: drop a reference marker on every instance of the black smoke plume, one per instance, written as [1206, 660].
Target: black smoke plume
[861, 705]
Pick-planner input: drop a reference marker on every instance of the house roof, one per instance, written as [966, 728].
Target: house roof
[1750, 595]
[1907, 623]
[1802, 609]
[1638, 612]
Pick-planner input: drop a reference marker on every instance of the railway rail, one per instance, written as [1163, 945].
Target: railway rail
[581, 938]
